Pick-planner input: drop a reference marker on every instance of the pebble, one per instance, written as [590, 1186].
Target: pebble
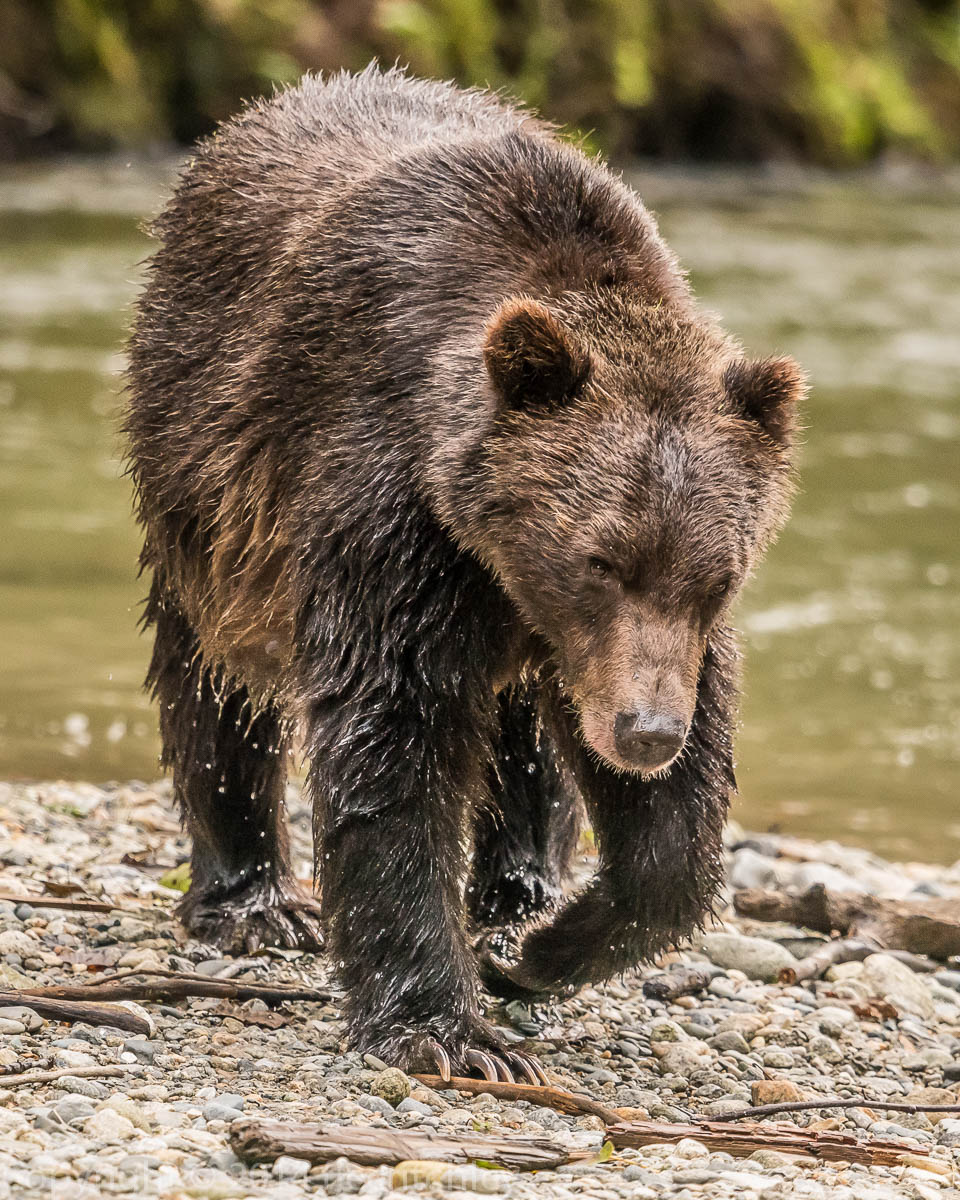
[288, 1167]
[107, 1125]
[774, 1091]
[391, 1085]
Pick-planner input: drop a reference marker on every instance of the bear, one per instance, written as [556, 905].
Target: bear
[448, 483]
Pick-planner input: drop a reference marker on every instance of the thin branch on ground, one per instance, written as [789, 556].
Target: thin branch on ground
[768, 1110]
[25, 1078]
[560, 1099]
[69, 1011]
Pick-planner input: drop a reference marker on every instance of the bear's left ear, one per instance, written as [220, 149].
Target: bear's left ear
[768, 392]
[534, 361]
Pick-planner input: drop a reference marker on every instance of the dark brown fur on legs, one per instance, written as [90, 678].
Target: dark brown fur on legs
[229, 770]
[524, 839]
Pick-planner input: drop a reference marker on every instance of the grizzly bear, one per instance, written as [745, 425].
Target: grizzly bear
[444, 477]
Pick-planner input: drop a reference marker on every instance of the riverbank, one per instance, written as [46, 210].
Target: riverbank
[872, 1029]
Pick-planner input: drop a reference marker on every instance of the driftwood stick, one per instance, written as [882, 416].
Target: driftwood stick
[767, 1110]
[170, 985]
[788, 1139]
[830, 953]
[28, 1077]
[681, 981]
[256, 1141]
[69, 1011]
[927, 927]
[61, 902]
[547, 1097]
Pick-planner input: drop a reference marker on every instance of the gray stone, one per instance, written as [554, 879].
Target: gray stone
[893, 981]
[224, 1160]
[25, 1016]
[752, 870]
[140, 1048]
[730, 1039]
[930, 1056]
[825, 1048]
[757, 958]
[216, 1110]
[948, 1133]
[84, 1087]
[409, 1105]
[724, 1108]
[73, 1108]
[375, 1104]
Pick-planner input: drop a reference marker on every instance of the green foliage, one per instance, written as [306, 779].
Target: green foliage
[837, 81]
[177, 878]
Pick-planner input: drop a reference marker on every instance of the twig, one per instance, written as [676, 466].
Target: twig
[172, 985]
[788, 1139]
[826, 956]
[69, 1011]
[767, 1110]
[681, 981]
[547, 1097]
[60, 902]
[255, 1140]
[28, 1077]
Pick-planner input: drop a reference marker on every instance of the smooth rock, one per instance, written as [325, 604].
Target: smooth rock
[107, 1125]
[948, 1130]
[683, 1058]
[895, 982]
[929, 1056]
[757, 958]
[774, 1091]
[288, 1167]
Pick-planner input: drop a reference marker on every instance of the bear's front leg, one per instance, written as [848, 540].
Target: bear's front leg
[398, 736]
[660, 843]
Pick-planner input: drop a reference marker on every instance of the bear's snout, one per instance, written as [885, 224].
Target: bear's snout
[648, 740]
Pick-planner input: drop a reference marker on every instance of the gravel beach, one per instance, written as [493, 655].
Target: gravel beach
[875, 1029]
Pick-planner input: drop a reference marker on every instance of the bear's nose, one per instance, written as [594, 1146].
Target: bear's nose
[648, 739]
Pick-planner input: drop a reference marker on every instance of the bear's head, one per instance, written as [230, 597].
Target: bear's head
[636, 467]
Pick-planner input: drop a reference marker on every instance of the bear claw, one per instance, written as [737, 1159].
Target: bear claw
[254, 919]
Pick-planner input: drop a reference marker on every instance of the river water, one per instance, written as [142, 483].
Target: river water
[851, 718]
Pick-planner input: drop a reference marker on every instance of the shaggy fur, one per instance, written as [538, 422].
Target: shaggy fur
[441, 470]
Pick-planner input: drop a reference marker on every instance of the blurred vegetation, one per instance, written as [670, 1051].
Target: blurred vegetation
[833, 81]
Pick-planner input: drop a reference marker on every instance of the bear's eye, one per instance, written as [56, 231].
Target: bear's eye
[600, 569]
[722, 589]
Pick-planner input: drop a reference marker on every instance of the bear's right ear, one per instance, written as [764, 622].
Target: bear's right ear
[768, 392]
[534, 362]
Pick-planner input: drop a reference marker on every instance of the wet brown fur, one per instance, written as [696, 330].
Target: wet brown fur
[441, 468]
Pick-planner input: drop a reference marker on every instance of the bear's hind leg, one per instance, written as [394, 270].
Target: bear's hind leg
[229, 773]
[523, 840]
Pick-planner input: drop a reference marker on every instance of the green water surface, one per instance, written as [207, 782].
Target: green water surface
[851, 721]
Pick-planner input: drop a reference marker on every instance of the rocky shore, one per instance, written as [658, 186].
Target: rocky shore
[879, 1029]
